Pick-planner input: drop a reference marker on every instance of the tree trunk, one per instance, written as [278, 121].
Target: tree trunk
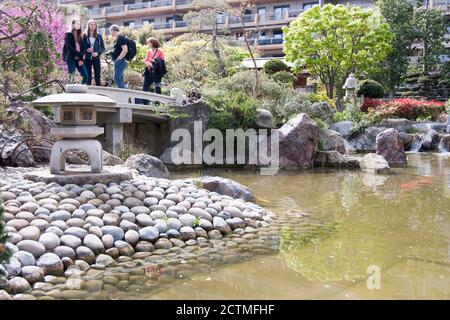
[330, 89]
[216, 51]
[250, 51]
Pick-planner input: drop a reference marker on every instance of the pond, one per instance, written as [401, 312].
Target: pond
[332, 227]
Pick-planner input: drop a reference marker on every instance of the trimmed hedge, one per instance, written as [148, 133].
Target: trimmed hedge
[275, 65]
[370, 89]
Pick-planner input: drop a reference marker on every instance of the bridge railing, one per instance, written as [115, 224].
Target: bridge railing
[127, 96]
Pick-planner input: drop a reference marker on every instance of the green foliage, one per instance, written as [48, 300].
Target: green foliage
[188, 56]
[352, 112]
[231, 110]
[141, 34]
[138, 64]
[334, 41]
[275, 65]
[370, 89]
[131, 147]
[134, 79]
[322, 124]
[447, 106]
[284, 77]
[399, 14]
[321, 97]
[197, 222]
[245, 81]
[4, 253]
[430, 29]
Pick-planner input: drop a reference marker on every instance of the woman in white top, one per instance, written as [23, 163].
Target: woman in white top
[94, 47]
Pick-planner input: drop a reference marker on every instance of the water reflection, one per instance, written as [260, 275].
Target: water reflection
[332, 226]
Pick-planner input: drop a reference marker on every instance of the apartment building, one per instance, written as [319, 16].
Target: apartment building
[265, 19]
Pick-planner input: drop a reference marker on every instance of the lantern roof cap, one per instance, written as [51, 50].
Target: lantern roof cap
[75, 95]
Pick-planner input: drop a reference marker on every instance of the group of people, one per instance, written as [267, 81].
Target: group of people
[82, 52]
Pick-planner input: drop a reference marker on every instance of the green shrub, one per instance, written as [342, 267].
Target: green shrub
[134, 79]
[244, 81]
[284, 77]
[4, 253]
[321, 97]
[231, 110]
[370, 89]
[275, 65]
[130, 147]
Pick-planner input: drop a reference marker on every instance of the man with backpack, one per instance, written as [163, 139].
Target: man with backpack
[124, 51]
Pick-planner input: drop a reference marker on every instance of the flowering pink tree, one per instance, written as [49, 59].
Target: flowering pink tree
[31, 40]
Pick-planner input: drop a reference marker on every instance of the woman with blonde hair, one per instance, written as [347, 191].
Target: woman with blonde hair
[93, 42]
[73, 51]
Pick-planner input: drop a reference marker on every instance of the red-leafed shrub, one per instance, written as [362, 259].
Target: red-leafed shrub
[411, 109]
[371, 104]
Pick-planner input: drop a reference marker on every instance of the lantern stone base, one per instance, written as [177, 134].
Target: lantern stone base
[81, 175]
[91, 146]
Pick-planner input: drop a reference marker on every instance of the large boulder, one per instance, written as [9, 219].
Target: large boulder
[445, 143]
[148, 165]
[429, 141]
[343, 127]
[38, 125]
[323, 110]
[263, 119]
[401, 125]
[332, 141]
[333, 159]
[407, 139]
[227, 187]
[298, 142]
[13, 149]
[374, 163]
[111, 160]
[391, 148]
[366, 140]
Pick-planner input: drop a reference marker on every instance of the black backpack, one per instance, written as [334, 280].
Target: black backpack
[131, 50]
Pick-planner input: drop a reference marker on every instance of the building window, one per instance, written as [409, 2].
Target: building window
[278, 34]
[262, 13]
[280, 12]
[104, 5]
[309, 5]
[129, 24]
[125, 2]
[147, 21]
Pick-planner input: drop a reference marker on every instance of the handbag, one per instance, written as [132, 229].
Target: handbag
[144, 73]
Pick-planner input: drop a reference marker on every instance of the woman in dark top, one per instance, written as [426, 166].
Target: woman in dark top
[93, 42]
[73, 52]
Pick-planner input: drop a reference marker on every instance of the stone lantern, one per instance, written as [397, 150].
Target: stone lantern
[76, 119]
[350, 88]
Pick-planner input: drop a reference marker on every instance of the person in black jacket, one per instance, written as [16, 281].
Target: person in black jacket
[73, 52]
[154, 65]
[93, 42]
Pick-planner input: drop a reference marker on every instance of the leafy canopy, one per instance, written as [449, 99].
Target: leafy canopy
[334, 41]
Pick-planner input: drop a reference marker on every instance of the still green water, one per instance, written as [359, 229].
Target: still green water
[331, 227]
[399, 222]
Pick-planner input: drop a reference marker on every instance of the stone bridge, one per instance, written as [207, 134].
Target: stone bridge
[149, 125]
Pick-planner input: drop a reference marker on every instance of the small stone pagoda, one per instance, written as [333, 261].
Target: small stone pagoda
[350, 88]
[76, 119]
